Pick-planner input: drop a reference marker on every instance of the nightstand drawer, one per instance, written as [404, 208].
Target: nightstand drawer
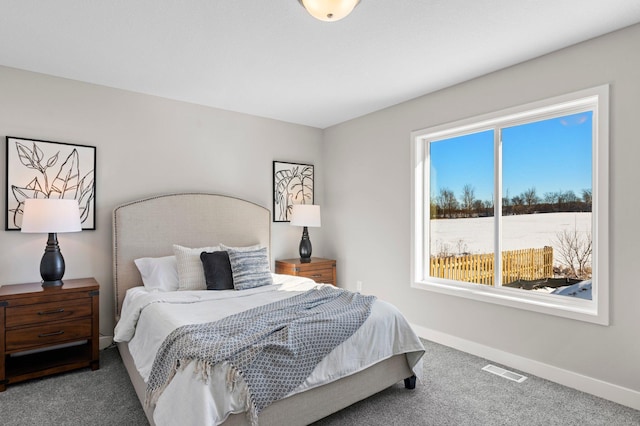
[318, 275]
[318, 269]
[47, 312]
[61, 331]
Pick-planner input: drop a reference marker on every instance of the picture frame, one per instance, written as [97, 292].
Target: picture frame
[292, 184]
[45, 169]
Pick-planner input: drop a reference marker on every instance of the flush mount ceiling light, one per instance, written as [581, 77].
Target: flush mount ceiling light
[329, 10]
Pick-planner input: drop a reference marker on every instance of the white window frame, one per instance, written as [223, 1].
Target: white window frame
[595, 310]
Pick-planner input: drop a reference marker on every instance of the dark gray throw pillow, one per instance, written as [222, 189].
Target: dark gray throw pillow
[217, 270]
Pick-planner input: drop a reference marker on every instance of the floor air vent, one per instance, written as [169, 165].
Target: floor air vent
[504, 373]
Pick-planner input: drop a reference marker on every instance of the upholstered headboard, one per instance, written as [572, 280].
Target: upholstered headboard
[150, 227]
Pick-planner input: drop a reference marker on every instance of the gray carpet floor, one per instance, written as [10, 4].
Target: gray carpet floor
[454, 391]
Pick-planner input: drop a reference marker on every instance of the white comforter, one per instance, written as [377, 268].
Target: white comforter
[148, 318]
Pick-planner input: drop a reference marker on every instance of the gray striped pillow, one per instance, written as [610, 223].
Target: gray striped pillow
[250, 268]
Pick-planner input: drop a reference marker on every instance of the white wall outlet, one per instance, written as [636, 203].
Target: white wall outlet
[359, 286]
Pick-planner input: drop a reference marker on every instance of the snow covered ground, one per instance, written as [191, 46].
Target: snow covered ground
[476, 235]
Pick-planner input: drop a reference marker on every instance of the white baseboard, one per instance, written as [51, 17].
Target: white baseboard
[599, 388]
[105, 341]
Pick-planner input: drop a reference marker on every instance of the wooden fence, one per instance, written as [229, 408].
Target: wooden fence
[527, 264]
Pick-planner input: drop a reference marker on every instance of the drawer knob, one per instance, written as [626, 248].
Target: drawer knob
[55, 333]
[56, 311]
[316, 276]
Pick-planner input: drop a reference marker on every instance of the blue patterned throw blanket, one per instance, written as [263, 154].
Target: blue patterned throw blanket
[273, 347]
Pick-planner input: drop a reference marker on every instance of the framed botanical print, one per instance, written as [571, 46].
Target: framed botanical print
[45, 169]
[292, 184]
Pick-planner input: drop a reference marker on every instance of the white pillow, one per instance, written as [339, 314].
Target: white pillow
[190, 270]
[158, 273]
[246, 248]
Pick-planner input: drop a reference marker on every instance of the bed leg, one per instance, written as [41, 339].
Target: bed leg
[410, 382]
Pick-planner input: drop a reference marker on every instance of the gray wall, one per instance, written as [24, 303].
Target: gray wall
[367, 201]
[145, 146]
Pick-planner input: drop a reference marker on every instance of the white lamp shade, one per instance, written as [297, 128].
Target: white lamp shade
[305, 215]
[50, 215]
[329, 10]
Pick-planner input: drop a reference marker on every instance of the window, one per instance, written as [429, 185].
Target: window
[511, 207]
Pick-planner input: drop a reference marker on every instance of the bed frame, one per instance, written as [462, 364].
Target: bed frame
[149, 228]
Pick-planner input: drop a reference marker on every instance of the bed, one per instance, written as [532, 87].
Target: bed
[150, 228]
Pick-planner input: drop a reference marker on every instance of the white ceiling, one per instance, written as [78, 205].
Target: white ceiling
[270, 58]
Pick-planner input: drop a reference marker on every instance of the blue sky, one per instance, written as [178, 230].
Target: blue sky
[550, 155]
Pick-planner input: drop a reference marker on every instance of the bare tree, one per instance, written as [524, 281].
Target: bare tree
[587, 198]
[443, 250]
[518, 203]
[468, 196]
[551, 197]
[447, 201]
[478, 207]
[488, 207]
[574, 250]
[530, 198]
[462, 247]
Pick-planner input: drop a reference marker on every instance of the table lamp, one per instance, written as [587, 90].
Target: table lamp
[49, 215]
[305, 215]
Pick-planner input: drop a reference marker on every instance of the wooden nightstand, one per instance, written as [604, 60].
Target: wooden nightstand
[33, 318]
[320, 270]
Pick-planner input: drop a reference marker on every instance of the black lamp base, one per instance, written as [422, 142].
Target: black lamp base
[305, 246]
[56, 283]
[52, 263]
